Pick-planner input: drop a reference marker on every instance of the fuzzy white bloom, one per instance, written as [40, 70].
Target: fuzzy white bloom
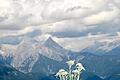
[80, 66]
[70, 62]
[62, 72]
[70, 75]
[75, 72]
[59, 72]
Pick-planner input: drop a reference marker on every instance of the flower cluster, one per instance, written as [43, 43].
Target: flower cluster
[71, 74]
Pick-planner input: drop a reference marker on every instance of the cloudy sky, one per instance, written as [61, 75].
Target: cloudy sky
[59, 18]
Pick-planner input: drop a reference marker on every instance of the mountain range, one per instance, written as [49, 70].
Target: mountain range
[39, 60]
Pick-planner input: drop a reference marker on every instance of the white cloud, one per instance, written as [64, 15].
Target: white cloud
[102, 17]
[75, 44]
[22, 17]
[58, 15]
[80, 43]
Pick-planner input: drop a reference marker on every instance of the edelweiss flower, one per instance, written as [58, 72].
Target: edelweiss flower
[75, 72]
[80, 66]
[62, 72]
[70, 62]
